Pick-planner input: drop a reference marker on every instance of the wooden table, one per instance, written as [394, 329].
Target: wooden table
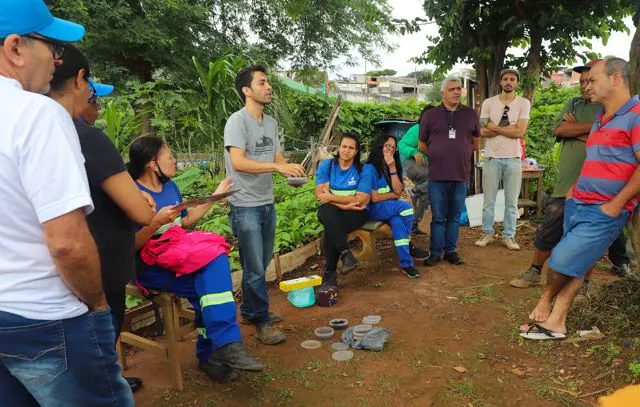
[525, 201]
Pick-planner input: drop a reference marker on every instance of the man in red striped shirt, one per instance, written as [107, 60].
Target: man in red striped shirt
[601, 201]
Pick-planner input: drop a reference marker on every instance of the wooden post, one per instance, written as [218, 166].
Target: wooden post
[276, 264]
[121, 357]
[172, 340]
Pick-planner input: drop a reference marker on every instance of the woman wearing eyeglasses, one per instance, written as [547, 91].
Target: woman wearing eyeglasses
[384, 170]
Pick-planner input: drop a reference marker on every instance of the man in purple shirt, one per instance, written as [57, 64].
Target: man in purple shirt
[448, 134]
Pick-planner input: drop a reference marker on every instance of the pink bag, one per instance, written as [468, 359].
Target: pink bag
[184, 252]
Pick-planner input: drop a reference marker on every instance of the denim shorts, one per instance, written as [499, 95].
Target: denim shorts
[588, 233]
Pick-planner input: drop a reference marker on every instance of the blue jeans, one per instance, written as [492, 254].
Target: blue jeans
[70, 362]
[255, 228]
[509, 171]
[447, 202]
[210, 292]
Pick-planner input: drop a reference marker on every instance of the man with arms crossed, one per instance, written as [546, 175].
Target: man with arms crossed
[252, 154]
[56, 335]
[504, 119]
[599, 204]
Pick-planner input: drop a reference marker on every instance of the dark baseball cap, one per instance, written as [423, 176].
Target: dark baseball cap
[510, 70]
[587, 66]
[72, 63]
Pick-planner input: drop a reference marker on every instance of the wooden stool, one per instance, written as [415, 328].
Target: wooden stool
[368, 235]
[525, 201]
[171, 311]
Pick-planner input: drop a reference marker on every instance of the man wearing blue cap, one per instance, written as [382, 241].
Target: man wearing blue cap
[91, 113]
[56, 341]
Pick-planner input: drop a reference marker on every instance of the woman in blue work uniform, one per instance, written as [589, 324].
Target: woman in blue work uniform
[343, 197]
[220, 350]
[384, 172]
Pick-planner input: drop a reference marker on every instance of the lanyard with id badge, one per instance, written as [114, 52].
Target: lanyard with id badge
[452, 124]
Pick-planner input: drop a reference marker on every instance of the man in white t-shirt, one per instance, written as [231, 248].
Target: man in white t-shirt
[56, 335]
[504, 119]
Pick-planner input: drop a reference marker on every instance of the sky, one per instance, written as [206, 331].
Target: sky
[412, 45]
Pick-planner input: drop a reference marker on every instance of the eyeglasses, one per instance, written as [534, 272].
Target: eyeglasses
[504, 120]
[94, 97]
[389, 147]
[57, 48]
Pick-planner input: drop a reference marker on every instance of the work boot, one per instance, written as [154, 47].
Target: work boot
[218, 373]
[484, 240]
[349, 261]
[274, 317]
[411, 272]
[511, 243]
[453, 258]
[269, 334]
[530, 278]
[432, 260]
[236, 356]
[622, 270]
[417, 253]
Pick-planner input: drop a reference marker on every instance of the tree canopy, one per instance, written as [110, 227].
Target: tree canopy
[144, 39]
[481, 31]
[382, 72]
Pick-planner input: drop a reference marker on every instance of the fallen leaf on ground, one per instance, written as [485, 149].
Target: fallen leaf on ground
[460, 369]
[517, 372]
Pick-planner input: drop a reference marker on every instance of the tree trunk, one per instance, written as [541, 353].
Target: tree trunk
[144, 72]
[495, 65]
[534, 66]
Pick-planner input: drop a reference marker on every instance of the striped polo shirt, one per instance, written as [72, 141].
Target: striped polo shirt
[611, 156]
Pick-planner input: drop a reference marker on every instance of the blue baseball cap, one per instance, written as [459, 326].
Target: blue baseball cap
[32, 16]
[101, 89]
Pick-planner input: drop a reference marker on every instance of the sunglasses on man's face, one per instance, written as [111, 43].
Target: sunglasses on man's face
[504, 120]
[57, 48]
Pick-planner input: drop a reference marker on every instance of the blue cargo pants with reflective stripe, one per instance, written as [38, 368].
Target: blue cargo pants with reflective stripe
[399, 215]
[210, 291]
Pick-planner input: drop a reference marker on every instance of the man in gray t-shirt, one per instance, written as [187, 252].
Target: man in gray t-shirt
[252, 154]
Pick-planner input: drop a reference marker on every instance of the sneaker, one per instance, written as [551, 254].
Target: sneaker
[269, 334]
[411, 272]
[134, 382]
[349, 261]
[622, 270]
[453, 258]
[510, 243]
[484, 240]
[530, 278]
[432, 260]
[235, 355]
[418, 253]
[219, 373]
[274, 317]
[417, 232]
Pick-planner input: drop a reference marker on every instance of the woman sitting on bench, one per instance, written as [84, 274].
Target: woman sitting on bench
[384, 172]
[343, 198]
[210, 290]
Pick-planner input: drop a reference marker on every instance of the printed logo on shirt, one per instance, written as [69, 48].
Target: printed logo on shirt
[352, 181]
[264, 145]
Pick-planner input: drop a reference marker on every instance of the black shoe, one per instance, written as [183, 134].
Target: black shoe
[622, 270]
[219, 373]
[418, 253]
[134, 382]
[453, 258]
[431, 260]
[417, 232]
[411, 272]
[349, 261]
[274, 317]
[235, 355]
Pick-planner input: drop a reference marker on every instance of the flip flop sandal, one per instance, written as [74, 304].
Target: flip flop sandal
[537, 332]
[530, 324]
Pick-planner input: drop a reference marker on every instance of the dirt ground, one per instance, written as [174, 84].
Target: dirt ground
[454, 342]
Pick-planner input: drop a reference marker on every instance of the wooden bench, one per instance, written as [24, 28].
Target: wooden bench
[172, 312]
[368, 235]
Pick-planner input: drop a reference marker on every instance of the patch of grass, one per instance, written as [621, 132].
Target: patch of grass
[383, 382]
[537, 348]
[511, 309]
[466, 388]
[491, 293]
[634, 368]
[605, 353]
[469, 298]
